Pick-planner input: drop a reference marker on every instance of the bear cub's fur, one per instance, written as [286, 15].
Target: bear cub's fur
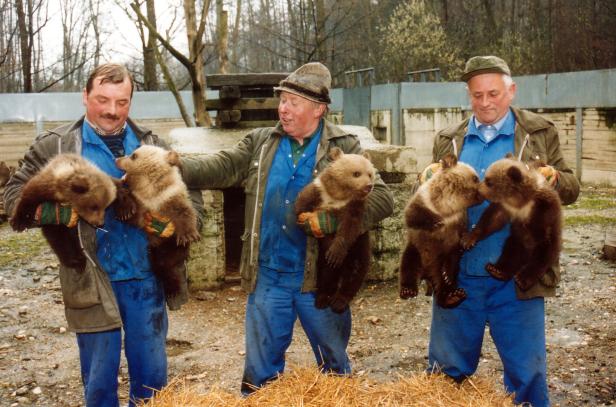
[520, 194]
[152, 174]
[436, 220]
[344, 257]
[67, 179]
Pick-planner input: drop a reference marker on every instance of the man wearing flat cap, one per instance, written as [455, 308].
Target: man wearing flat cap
[515, 317]
[279, 257]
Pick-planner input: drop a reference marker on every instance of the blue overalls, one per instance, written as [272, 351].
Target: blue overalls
[122, 252]
[277, 302]
[517, 327]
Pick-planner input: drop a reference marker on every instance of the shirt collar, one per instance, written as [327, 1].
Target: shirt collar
[498, 125]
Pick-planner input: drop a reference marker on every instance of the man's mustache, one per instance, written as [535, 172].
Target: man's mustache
[110, 116]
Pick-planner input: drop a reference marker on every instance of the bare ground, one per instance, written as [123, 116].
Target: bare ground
[39, 363]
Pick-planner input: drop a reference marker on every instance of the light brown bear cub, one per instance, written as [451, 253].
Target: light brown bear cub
[436, 220]
[67, 179]
[344, 257]
[520, 195]
[153, 177]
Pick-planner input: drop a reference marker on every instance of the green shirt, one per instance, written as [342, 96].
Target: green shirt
[297, 150]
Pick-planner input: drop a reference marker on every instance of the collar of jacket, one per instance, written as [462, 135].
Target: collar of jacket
[330, 131]
[69, 135]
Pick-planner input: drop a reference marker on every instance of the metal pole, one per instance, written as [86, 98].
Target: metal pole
[579, 133]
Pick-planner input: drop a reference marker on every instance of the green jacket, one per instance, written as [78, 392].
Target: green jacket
[248, 164]
[535, 138]
[89, 301]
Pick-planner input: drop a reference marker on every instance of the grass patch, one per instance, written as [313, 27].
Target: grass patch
[589, 219]
[20, 247]
[594, 201]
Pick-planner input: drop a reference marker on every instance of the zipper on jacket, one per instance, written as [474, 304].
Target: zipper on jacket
[254, 216]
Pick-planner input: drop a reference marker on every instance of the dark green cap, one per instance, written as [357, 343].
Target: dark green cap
[484, 64]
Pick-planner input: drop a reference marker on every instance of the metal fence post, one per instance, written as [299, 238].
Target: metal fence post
[579, 133]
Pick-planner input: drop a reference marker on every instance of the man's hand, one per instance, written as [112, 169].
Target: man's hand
[54, 213]
[550, 174]
[317, 224]
[158, 225]
[429, 171]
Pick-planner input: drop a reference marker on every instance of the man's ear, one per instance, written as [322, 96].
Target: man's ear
[320, 110]
[84, 97]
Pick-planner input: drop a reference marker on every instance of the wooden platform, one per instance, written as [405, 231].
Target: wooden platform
[245, 100]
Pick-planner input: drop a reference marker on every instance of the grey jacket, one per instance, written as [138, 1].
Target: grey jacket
[89, 301]
[535, 138]
[248, 164]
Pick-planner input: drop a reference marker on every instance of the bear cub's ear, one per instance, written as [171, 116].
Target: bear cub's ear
[449, 160]
[79, 184]
[173, 158]
[515, 174]
[335, 153]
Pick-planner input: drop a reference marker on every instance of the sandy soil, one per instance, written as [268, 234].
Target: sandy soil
[39, 363]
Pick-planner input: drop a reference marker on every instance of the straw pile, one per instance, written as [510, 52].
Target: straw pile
[309, 388]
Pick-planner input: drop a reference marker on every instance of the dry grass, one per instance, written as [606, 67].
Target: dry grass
[304, 387]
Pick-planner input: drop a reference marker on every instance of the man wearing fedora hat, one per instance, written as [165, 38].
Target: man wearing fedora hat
[278, 261]
[515, 317]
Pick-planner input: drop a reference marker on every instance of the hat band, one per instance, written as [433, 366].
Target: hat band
[307, 92]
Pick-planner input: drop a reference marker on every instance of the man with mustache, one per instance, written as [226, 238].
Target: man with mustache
[116, 299]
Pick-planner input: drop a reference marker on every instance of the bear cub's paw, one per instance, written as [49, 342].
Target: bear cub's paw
[496, 272]
[408, 292]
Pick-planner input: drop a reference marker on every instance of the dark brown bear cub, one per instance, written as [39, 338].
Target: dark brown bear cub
[67, 179]
[153, 177]
[344, 257]
[520, 195]
[436, 220]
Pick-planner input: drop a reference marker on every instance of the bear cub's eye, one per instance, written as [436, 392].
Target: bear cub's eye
[133, 156]
[356, 174]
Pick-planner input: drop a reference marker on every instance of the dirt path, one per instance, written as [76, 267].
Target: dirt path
[39, 363]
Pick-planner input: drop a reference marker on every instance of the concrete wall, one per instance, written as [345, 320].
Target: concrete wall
[16, 137]
[598, 137]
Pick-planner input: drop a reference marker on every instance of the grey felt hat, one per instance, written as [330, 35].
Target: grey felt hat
[311, 81]
[484, 64]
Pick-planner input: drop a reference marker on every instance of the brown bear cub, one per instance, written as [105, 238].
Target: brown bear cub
[344, 257]
[67, 179]
[436, 220]
[520, 195]
[153, 177]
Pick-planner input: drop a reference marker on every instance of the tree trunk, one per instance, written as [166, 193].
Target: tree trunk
[235, 36]
[222, 37]
[171, 85]
[26, 48]
[150, 80]
[195, 51]
[320, 32]
[95, 11]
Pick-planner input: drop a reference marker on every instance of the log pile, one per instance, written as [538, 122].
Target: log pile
[244, 100]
